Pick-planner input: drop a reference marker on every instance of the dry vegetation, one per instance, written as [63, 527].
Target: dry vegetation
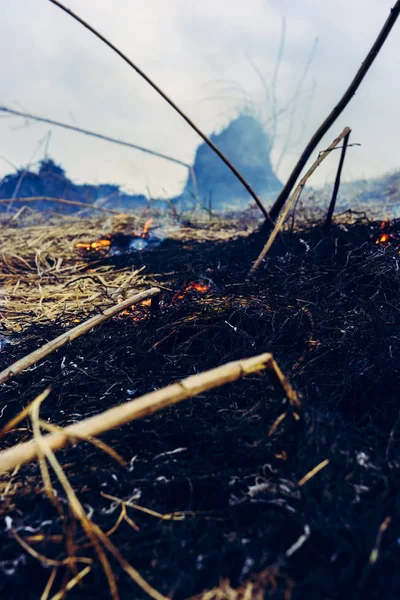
[44, 276]
[310, 299]
[283, 486]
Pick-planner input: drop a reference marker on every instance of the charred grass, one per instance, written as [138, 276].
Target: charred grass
[327, 307]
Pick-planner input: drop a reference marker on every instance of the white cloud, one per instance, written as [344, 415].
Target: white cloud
[56, 68]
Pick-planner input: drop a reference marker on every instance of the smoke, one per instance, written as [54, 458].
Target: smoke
[198, 52]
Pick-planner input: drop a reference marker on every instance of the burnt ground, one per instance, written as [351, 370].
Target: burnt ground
[328, 309]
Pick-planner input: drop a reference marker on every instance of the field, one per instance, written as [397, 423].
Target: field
[239, 492]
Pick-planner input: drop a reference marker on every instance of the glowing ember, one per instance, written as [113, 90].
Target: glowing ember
[201, 288]
[389, 234]
[121, 242]
[102, 243]
[136, 311]
[198, 287]
[382, 239]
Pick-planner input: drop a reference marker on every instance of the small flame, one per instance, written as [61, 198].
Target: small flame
[382, 239]
[201, 288]
[198, 287]
[389, 234]
[145, 233]
[135, 312]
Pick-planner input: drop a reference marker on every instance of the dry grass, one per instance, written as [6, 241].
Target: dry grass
[258, 587]
[44, 277]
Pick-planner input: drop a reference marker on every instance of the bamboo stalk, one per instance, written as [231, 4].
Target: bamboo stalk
[147, 405]
[346, 131]
[72, 334]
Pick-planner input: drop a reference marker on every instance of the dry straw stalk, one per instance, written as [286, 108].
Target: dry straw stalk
[72, 334]
[150, 404]
[295, 196]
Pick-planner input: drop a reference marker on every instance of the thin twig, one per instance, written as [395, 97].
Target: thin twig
[75, 506]
[332, 204]
[343, 102]
[24, 413]
[100, 136]
[295, 197]
[149, 404]
[274, 83]
[296, 98]
[375, 550]
[72, 334]
[170, 102]
[313, 472]
[71, 583]
[49, 584]
[58, 201]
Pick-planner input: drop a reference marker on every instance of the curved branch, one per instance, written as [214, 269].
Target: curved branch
[339, 108]
[207, 140]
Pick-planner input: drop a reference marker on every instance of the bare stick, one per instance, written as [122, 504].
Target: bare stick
[295, 196]
[100, 136]
[332, 204]
[343, 102]
[313, 472]
[58, 201]
[296, 100]
[170, 102]
[149, 404]
[278, 62]
[72, 334]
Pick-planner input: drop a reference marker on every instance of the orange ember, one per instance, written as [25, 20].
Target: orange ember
[135, 312]
[201, 288]
[144, 233]
[389, 234]
[103, 243]
[198, 287]
[382, 239]
[100, 244]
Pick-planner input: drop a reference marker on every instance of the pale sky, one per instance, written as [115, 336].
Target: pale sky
[201, 54]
